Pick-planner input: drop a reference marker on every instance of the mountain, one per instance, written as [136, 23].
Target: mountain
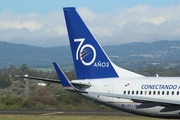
[18, 54]
[159, 51]
[141, 51]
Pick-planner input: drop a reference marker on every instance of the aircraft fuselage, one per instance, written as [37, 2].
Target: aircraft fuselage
[152, 87]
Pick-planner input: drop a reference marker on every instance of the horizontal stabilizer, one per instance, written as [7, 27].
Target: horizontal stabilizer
[64, 80]
[39, 78]
[51, 80]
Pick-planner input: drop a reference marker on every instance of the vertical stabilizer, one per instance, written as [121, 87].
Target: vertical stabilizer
[89, 58]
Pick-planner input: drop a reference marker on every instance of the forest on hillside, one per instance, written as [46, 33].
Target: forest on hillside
[159, 51]
[18, 93]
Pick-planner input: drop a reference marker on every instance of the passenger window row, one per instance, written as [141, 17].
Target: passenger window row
[151, 92]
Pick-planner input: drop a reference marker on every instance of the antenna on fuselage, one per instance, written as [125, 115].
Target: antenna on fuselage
[157, 75]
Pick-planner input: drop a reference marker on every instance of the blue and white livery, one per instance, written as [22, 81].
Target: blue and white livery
[100, 80]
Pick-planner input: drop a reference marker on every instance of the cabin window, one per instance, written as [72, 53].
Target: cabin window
[154, 92]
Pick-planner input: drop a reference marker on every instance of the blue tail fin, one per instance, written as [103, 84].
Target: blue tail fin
[90, 60]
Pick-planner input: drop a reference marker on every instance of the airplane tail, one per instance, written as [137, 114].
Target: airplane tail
[64, 80]
[89, 58]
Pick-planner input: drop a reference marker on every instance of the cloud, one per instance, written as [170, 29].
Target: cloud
[139, 23]
[31, 26]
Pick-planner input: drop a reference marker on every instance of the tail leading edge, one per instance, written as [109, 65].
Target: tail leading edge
[89, 58]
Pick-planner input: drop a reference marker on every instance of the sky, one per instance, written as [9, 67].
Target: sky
[41, 22]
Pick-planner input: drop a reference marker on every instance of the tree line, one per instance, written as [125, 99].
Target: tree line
[14, 93]
[17, 93]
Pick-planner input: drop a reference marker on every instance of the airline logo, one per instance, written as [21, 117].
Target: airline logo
[86, 53]
[127, 84]
[160, 86]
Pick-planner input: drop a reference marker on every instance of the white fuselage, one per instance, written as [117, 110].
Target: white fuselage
[118, 88]
[167, 88]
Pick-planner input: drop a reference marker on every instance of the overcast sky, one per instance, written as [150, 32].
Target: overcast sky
[41, 22]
